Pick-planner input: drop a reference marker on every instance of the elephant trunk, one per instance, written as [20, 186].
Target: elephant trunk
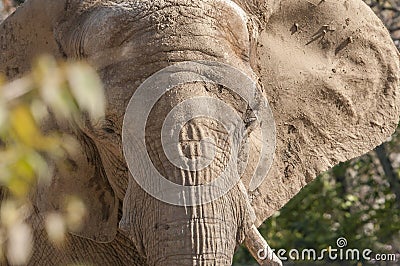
[202, 235]
[206, 234]
[183, 233]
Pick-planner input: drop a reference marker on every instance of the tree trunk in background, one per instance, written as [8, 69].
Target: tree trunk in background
[389, 171]
[340, 176]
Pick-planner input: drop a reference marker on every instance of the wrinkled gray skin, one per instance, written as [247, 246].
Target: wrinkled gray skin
[128, 41]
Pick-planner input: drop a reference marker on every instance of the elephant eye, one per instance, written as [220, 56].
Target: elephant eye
[109, 130]
[108, 126]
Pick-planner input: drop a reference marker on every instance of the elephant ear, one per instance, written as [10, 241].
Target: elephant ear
[24, 35]
[331, 74]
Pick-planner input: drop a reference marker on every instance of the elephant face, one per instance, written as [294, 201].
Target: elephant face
[328, 70]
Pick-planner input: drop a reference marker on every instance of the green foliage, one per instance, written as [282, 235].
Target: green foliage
[353, 200]
[31, 110]
[64, 91]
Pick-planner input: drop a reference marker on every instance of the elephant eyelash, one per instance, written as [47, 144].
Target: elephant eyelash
[108, 125]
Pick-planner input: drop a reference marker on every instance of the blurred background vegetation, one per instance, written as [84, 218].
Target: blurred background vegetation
[31, 146]
[358, 200]
[30, 150]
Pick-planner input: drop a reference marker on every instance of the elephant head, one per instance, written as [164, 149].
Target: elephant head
[328, 69]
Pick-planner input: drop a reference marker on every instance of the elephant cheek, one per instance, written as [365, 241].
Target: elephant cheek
[166, 234]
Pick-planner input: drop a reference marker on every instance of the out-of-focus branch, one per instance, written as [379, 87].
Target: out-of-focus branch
[394, 29]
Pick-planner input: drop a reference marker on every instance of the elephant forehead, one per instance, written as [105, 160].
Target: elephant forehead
[139, 38]
[154, 22]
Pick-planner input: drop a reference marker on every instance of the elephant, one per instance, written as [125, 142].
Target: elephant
[328, 69]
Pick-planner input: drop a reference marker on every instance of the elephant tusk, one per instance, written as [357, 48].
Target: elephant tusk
[260, 249]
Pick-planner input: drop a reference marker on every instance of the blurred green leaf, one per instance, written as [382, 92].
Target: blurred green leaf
[87, 89]
[53, 94]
